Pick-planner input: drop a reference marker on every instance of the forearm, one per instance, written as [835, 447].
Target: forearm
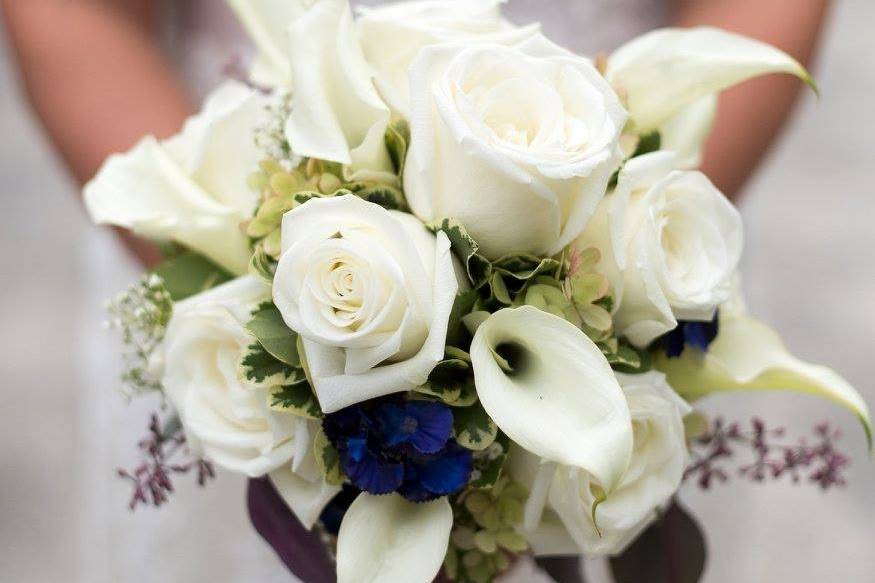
[750, 116]
[95, 80]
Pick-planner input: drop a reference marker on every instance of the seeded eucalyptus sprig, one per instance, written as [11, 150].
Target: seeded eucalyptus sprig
[141, 314]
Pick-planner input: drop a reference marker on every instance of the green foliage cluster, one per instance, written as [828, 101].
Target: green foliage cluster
[274, 361]
[485, 532]
[282, 186]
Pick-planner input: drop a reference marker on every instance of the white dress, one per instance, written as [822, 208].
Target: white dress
[206, 535]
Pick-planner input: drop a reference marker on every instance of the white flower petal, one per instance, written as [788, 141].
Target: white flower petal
[687, 132]
[267, 22]
[337, 115]
[563, 402]
[307, 499]
[392, 35]
[666, 70]
[746, 355]
[226, 419]
[386, 539]
[191, 188]
[525, 130]
[337, 390]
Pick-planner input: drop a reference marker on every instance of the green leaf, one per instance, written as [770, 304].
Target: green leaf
[489, 462]
[296, 398]
[397, 139]
[457, 333]
[648, 143]
[189, 274]
[625, 358]
[270, 330]
[499, 289]
[327, 459]
[385, 195]
[518, 269]
[672, 550]
[446, 380]
[306, 196]
[260, 367]
[270, 215]
[479, 268]
[474, 428]
[262, 265]
[452, 380]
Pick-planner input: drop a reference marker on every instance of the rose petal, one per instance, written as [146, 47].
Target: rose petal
[748, 355]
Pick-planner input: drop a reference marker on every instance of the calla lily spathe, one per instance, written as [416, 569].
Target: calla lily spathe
[748, 355]
[547, 385]
[670, 78]
[664, 71]
[191, 188]
[386, 539]
[559, 512]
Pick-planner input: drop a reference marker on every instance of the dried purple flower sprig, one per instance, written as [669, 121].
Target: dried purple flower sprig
[166, 454]
[818, 461]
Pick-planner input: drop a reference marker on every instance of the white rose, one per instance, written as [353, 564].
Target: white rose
[226, 419]
[191, 188]
[671, 242]
[654, 474]
[392, 35]
[518, 143]
[369, 291]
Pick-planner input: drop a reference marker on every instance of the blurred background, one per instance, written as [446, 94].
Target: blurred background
[64, 427]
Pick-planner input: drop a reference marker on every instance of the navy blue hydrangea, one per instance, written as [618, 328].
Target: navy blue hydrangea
[392, 445]
[696, 334]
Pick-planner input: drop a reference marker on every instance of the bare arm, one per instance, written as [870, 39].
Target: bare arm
[95, 78]
[750, 116]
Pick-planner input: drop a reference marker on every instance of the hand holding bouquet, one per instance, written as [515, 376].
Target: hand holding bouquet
[451, 288]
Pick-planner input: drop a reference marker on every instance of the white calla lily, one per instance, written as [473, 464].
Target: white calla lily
[267, 23]
[748, 355]
[550, 389]
[191, 188]
[664, 71]
[338, 115]
[386, 539]
[685, 134]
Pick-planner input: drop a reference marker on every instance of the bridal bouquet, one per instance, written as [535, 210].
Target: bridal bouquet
[449, 291]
